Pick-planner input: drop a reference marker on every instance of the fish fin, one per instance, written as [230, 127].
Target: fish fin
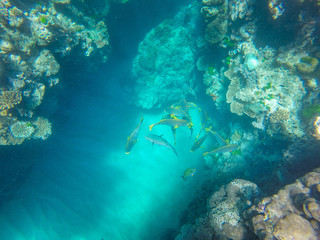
[127, 152]
[141, 120]
[206, 153]
[175, 127]
[173, 116]
[184, 178]
[151, 126]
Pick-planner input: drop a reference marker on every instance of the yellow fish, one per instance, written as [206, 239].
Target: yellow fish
[131, 141]
[189, 172]
[173, 123]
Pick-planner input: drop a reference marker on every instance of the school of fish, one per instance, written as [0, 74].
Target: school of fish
[177, 116]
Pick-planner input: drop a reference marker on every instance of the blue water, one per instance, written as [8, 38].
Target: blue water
[83, 185]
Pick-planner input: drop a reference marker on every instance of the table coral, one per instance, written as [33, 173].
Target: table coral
[9, 99]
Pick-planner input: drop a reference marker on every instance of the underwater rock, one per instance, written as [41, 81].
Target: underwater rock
[289, 213]
[165, 64]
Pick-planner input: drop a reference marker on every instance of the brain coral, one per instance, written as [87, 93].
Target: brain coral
[21, 129]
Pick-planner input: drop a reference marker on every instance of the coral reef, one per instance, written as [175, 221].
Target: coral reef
[165, 64]
[237, 211]
[266, 85]
[225, 208]
[292, 213]
[33, 37]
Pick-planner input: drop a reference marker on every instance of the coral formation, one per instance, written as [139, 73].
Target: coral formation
[262, 83]
[224, 217]
[21, 129]
[292, 213]
[8, 99]
[31, 38]
[236, 211]
[165, 64]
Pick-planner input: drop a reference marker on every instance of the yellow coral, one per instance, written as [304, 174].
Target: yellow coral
[9, 98]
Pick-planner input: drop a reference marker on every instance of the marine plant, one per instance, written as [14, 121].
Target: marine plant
[43, 20]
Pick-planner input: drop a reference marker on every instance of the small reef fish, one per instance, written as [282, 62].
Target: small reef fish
[198, 143]
[159, 140]
[189, 172]
[223, 149]
[219, 139]
[184, 105]
[131, 141]
[177, 112]
[173, 123]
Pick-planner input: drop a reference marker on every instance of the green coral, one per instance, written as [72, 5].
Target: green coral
[311, 110]
[43, 20]
[268, 86]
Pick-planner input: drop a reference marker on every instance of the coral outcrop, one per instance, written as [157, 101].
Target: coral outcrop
[225, 208]
[292, 213]
[165, 64]
[237, 211]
